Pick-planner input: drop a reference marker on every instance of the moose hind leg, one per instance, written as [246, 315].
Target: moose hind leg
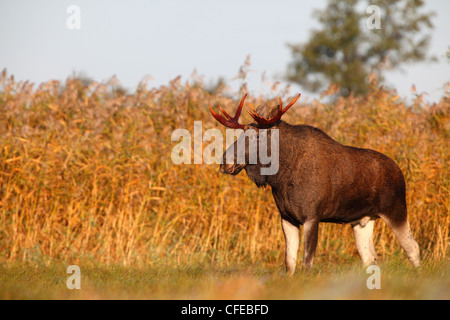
[406, 239]
[364, 242]
[403, 233]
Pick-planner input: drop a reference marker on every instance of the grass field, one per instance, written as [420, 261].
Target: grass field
[328, 280]
[86, 178]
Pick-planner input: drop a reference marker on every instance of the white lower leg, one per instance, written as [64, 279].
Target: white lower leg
[408, 243]
[364, 242]
[291, 235]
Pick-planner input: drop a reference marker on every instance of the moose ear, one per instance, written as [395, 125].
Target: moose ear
[264, 111]
[265, 122]
[273, 112]
[267, 112]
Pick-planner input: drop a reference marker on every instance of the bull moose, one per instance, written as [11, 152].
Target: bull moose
[321, 180]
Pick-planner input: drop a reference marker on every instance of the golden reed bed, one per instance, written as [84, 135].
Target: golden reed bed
[86, 173]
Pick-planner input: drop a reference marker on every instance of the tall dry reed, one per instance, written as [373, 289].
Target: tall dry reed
[86, 173]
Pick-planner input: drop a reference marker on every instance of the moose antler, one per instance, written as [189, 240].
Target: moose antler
[229, 121]
[263, 122]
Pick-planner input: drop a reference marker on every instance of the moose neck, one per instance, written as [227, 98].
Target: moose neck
[285, 160]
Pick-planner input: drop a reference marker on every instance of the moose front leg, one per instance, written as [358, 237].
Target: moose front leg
[310, 233]
[291, 236]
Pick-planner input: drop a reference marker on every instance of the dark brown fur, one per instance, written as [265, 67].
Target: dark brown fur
[320, 179]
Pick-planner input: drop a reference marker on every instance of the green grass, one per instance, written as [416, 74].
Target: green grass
[326, 281]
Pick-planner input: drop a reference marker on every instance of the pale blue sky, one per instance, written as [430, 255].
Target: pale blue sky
[165, 39]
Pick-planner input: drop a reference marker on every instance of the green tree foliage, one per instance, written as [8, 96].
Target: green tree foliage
[344, 51]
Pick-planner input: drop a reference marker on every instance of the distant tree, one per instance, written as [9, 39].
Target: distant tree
[345, 50]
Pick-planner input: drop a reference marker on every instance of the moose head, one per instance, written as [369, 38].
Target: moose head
[243, 154]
